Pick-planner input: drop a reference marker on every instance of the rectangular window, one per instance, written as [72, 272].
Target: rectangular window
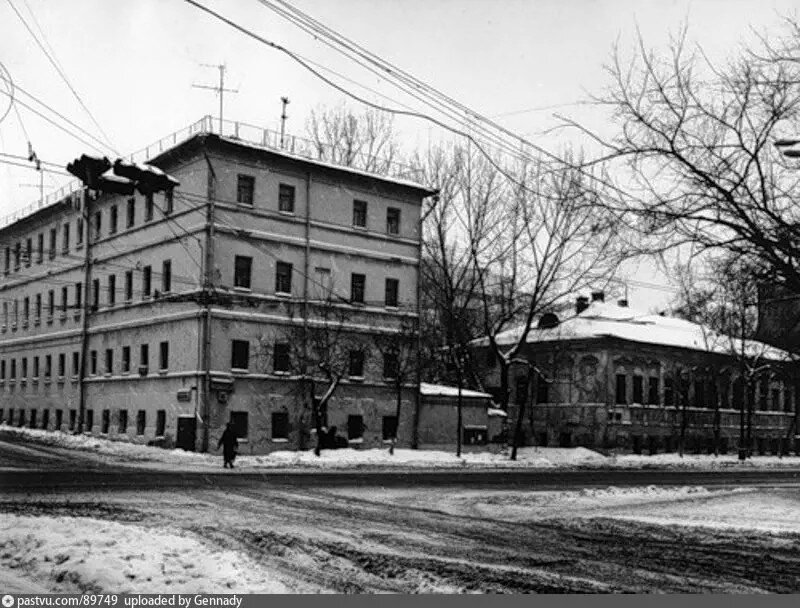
[131, 215]
[788, 406]
[669, 391]
[169, 201]
[33, 419]
[141, 422]
[17, 255]
[73, 419]
[112, 220]
[148, 207]
[7, 267]
[112, 289]
[65, 239]
[53, 238]
[392, 289]
[62, 364]
[123, 422]
[392, 221]
[638, 389]
[26, 309]
[95, 294]
[78, 296]
[283, 277]
[79, 232]
[93, 363]
[389, 428]
[391, 366]
[355, 427]
[652, 391]
[109, 361]
[106, 422]
[45, 419]
[163, 356]
[622, 389]
[89, 420]
[51, 303]
[147, 276]
[245, 189]
[3, 369]
[36, 367]
[775, 400]
[128, 285]
[59, 419]
[28, 252]
[64, 300]
[166, 276]
[48, 366]
[126, 359]
[240, 354]
[144, 358]
[280, 425]
[13, 369]
[357, 283]
[360, 214]
[76, 363]
[286, 198]
[98, 224]
[161, 423]
[355, 368]
[240, 424]
[280, 359]
[24, 374]
[242, 268]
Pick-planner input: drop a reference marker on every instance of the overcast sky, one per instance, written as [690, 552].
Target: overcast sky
[133, 64]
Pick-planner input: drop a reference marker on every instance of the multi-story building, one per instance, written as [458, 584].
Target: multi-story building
[189, 303]
[609, 376]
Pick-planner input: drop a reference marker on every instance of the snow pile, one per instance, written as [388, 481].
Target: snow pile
[698, 461]
[76, 554]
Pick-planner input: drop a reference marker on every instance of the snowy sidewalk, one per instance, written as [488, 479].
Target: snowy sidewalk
[129, 454]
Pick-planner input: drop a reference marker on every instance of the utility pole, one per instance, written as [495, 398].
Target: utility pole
[208, 301]
[284, 102]
[218, 89]
[87, 281]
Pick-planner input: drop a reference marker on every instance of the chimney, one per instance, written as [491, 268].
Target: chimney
[598, 296]
[623, 303]
[581, 304]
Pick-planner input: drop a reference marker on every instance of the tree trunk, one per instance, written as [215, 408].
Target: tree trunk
[396, 417]
[742, 408]
[459, 406]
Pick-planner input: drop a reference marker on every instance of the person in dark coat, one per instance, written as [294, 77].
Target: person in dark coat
[229, 443]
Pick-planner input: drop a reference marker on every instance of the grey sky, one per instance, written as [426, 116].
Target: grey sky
[133, 63]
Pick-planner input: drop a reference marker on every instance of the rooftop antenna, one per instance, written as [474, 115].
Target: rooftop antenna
[284, 102]
[32, 157]
[218, 89]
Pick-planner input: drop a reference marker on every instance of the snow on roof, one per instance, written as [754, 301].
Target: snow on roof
[604, 320]
[493, 411]
[321, 163]
[441, 390]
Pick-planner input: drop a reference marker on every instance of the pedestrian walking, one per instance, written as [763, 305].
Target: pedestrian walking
[229, 443]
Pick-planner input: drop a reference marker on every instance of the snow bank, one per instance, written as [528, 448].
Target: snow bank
[76, 554]
[698, 461]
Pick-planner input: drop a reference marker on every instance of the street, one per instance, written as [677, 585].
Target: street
[356, 531]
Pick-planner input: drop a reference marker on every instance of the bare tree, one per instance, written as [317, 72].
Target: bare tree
[399, 349]
[693, 154]
[364, 141]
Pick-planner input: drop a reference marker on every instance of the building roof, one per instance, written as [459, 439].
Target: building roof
[441, 390]
[603, 320]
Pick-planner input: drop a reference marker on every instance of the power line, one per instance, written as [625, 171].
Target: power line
[26, 166]
[61, 73]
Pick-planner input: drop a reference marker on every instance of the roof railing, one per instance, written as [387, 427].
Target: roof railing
[247, 133]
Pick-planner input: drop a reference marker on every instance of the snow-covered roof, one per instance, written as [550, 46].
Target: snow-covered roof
[493, 411]
[441, 390]
[604, 320]
[321, 163]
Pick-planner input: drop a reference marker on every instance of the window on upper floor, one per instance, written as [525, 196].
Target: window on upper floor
[286, 198]
[98, 224]
[78, 296]
[652, 392]
[245, 189]
[392, 220]
[51, 303]
[163, 351]
[65, 239]
[280, 360]
[95, 294]
[62, 364]
[242, 268]
[169, 201]
[128, 285]
[112, 219]
[64, 300]
[26, 309]
[79, 232]
[622, 389]
[36, 367]
[147, 277]
[126, 359]
[28, 252]
[112, 289]
[37, 311]
[76, 363]
[53, 239]
[392, 289]
[17, 255]
[355, 369]
[7, 267]
[48, 366]
[357, 285]
[283, 277]
[360, 213]
[391, 366]
[240, 354]
[166, 276]
[109, 361]
[131, 214]
[149, 205]
[144, 358]
[638, 389]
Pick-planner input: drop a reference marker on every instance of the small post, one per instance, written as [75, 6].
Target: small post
[284, 103]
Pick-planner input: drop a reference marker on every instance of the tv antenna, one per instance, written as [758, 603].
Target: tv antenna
[284, 102]
[219, 89]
